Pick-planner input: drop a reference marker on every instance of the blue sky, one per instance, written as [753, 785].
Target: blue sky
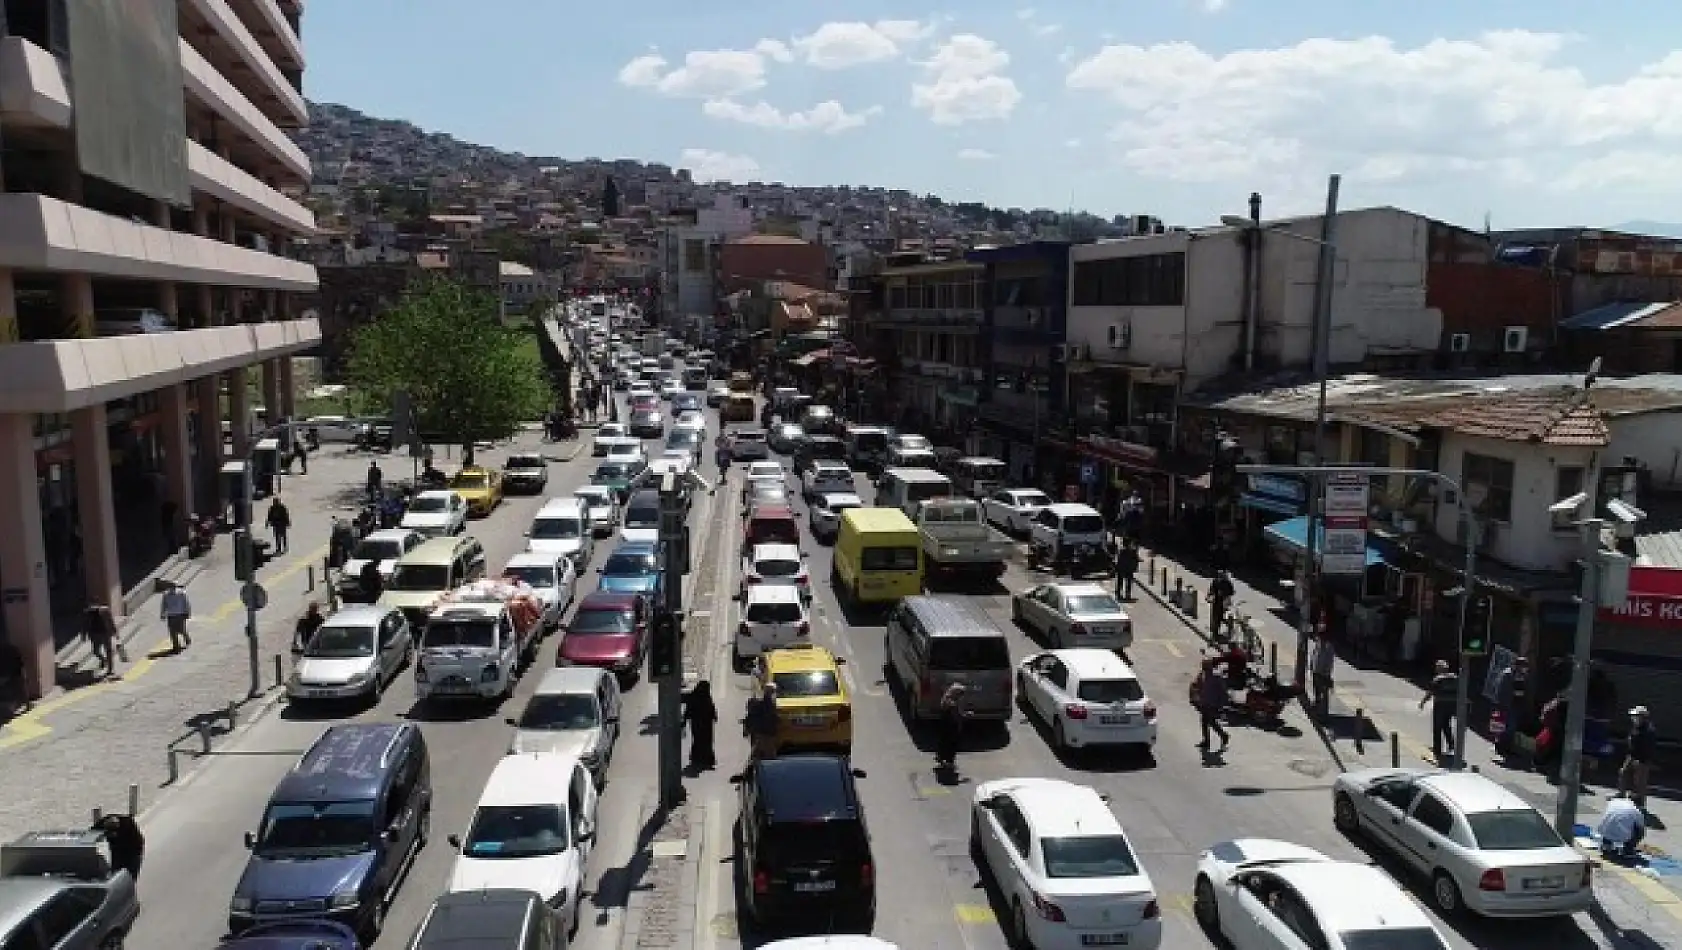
[1539, 112]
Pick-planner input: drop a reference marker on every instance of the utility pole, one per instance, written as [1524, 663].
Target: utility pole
[1322, 369]
[665, 654]
[1605, 581]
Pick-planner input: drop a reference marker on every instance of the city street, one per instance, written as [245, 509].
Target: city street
[929, 892]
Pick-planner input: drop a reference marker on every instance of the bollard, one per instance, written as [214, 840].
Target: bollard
[174, 766]
[1360, 731]
[279, 672]
[1179, 588]
[204, 736]
[1164, 586]
[1190, 605]
[1395, 750]
[309, 578]
[1273, 659]
[232, 714]
[98, 813]
[133, 800]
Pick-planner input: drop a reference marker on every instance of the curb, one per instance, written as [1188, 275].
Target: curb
[260, 707]
[642, 898]
[1151, 592]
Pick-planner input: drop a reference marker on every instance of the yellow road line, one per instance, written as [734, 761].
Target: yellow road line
[29, 726]
[975, 915]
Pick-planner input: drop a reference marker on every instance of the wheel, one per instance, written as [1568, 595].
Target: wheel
[1344, 815]
[376, 922]
[1203, 907]
[1445, 894]
[1019, 927]
[1059, 740]
[1015, 611]
[975, 853]
[423, 834]
[112, 941]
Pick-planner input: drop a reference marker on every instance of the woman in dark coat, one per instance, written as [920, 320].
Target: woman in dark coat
[701, 714]
[127, 844]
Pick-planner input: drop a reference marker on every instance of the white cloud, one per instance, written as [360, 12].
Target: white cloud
[1214, 6]
[1071, 143]
[775, 50]
[644, 71]
[1030, 17]
[840, 45]
[705, 74]
[1502, 107]
[976, 155]
[709, 165]
[962, 82]
[829, 117]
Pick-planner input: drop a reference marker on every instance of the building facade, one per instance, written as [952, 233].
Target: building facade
[145, 292]
[1024, 384]
[927, 333]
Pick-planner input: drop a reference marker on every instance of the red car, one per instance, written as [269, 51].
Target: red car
[609, 631]
[644, 401]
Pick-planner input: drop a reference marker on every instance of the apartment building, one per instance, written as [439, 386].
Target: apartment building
[147, 187]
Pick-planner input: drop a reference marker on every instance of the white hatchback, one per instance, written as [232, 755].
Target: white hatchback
[1089, 697]
[783, 564]
[773, 616]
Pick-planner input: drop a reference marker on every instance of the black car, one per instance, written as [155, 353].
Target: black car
[294, 935]
[688, 401]
[339, 831]
[490, 918]
[804, 848]
[818, 447]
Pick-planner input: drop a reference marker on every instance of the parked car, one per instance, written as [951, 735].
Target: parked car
[353, 655]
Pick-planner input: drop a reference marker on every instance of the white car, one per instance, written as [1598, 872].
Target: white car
[827, 478]
[574, 712]
[382, 547]
[1259, 894]
[824, 513]
[907, 442]
[1073, 615]
[1481, 847]
[783, 564]
[624, 450]
[352, 656]
[602, 506]
[1013, 509]
[1088, 697]
[691, 419]
[670, 387]
[552, 577]
[438, 513]
[563, 527]
[1068, 874]
[717, 394]
[533, 830]
[1063, 524]
[641, 388]
[766, 471]
[773, 616]
[609, 434]
[332, 428]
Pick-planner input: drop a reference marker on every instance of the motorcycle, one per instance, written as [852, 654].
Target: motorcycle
[201, 534]
[1086, 560]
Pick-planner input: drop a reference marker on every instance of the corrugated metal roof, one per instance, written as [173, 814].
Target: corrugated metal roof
[1613, 315]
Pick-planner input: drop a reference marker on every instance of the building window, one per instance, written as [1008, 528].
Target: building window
[1488, 483]
[694, 256]
[1152, 280]
[1568, 481]
[1374, 448]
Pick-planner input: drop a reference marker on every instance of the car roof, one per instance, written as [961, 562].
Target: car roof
[1071, 508]
[1473, 793]
[595, 492]
[639, 548]
[1081, 590]
[1060, 809]
[831, 463]
[782, 552]
[528, 779]
[388, 534]
[774, 594]
[803, 656]
[1091, 663]
[608, 600]
[837, 497]
[357, 615]
[20, 896]
[765, 465]
[1348, 896]
[771, 510]
[348, 762]
[534, 559]
[436, 493]
[807, 786]
[476, 920]
[559, 506]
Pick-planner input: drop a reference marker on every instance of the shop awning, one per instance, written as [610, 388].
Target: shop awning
[960, 396]
[1269, 503]
[1293, 533]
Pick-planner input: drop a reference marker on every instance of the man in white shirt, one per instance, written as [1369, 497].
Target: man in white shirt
[1622, 827]
[175, 611]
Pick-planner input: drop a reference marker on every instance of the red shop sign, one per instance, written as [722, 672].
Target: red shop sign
[1655, 599]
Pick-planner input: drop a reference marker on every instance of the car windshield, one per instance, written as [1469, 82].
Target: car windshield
[1396, 938]
[1032, 499]
[608, 620]
[621, 565]
[914, 443]
[532, 575]
[377, 549]
[332, 642]
[1110, 691]
[888, 559]
[459, 633]
[421, 577]
[1512, 829]
[642, 517]
[1083, 524]
[516, 831]
[474, 480]
[774, 612]
[777, 567]
[525, 461]
[425, 504]
[611, 473]
[682, 439]
[1093, 604]
[316, 829]
[806, 684]
[555, 529]
[1089, 856]
[760, 493]
[560, 712]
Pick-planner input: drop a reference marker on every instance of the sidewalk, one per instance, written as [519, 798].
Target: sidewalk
[1398, 732]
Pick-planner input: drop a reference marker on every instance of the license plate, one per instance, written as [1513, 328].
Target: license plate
[810, 722]
[1544, 883]
[1114, 720]
[813, 887]
[1103, 940]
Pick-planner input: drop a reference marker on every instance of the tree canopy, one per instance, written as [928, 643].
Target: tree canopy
[468, 377]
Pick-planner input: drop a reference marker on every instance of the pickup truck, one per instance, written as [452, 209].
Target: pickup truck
[477, 641]
[959, 543]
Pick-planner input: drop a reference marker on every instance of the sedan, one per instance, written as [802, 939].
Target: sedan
[551, 577]
[777, 564]
[1259, 894]
[1073, 615]
[1483, 848]
[648, 424]
[687, 402]
[1088, 698]
[603, 507]
[786, 438]
[1013, 509]
[825, 514]
[73, 913]
[691, 421]
[352, 656]
[687, 440]
[436, 514]
[716, 395]
[609, 434]
[609, 631]
[763, 493]
[1063, 865]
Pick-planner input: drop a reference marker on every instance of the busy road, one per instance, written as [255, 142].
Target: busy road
[929, 893]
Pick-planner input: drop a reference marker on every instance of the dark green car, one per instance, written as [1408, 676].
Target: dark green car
[618, 476]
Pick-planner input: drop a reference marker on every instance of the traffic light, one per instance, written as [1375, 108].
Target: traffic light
[665, 649]
[1474, 639]
[250, 555]
[1223, 470]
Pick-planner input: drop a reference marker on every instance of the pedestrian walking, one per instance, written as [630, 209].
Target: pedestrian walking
[1512, 683]
[339, 543]
[701, 715]
[101, 630]
[1442, 694]
[376, 481]
[1220, 595]
[279, 521]
[954, 710]
[127, 844]
[1126, 566]
[304, 631]
[1212, 698]
[176, 610]
[1322, 660]
[1643, 742]
[302, 454]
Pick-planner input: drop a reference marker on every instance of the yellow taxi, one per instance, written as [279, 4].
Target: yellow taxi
[814, 709]
[481, 488]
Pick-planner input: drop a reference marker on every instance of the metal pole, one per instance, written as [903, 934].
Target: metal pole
[1571, 756]
[1463, 691]
[1322, 369]
[673, 542]
[1252, 308]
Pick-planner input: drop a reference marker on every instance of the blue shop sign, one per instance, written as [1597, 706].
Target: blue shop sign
[1279, 487]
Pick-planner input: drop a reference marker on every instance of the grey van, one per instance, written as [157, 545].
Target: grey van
[933, 642]
[492, 919]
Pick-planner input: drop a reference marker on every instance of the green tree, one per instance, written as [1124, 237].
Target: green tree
[469, 378]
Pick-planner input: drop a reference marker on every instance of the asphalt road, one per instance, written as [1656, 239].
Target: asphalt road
[929, 893]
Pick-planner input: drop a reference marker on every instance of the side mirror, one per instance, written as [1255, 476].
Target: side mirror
[601, 570]
[587, 836]
[455, 841]
[526, 533]
[840, 661]
[510, 720]
[738, 779]
[859, 773]
[250, 840]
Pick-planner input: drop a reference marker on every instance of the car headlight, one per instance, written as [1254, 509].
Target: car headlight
[346, 898]
[949, 552]
[240, 905]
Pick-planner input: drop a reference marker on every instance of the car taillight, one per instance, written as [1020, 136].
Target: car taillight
[1493, 880]
[1150, 710]
[1078, 629]
[754, 578]
[805, 628]
[1075, 711]
[742, 629]
[761, 882]
[802, 578]
[1048, 911]
[867, 874]
[1152, 911]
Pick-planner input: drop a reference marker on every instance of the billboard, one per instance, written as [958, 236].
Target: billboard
[125, 82]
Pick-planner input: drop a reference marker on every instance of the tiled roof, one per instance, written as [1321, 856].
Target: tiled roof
[768, 239]
[1613, 316]
[1560, 416]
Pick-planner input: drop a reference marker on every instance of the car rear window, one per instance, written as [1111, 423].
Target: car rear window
[778, 567]
[1399, 938]
[888, 559]
[816, 841]
[1083, 524]
[459, 633]
[1512, 829]
[773, 613]
[602, 620]
[807, 684]
[1094, 604]
[1089, 856]
[1110, 691]
[969, 653]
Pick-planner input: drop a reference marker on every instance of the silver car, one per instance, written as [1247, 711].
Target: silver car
[575, 711]
[59, 885]
[1073, 615]
[825, 513]
[353, 656]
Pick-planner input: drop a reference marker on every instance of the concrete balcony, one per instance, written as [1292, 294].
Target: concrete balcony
[55, 376]
[215, 93]
[216, 18]
[34, 90]
[38, 233]
[268, 23]
[221, 179]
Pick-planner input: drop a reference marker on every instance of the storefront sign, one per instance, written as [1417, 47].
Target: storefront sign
[1275, 486]
[1346, 505]
[1655, 599]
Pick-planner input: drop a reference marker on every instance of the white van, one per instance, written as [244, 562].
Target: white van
[563, 526]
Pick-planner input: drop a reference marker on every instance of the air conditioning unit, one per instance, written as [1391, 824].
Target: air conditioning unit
[1514, 339]
[1121, 336]
[1459, 342]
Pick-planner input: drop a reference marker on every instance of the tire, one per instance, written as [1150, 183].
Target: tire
[1059, 741]
[1344, 815]
[1018, 935]
[423, 834]
[1204, 908]
[112, 941]
[1445, 894]
[1015, 611]
[376, 923]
